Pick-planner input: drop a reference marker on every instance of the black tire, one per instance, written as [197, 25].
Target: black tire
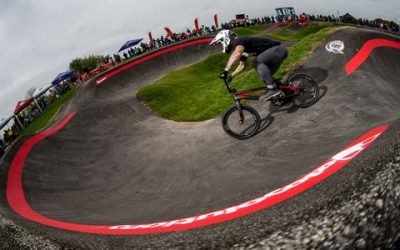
[241, 130]
[309, 93]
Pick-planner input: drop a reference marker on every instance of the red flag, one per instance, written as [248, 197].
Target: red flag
[150, 37]
[196, 25]
[169, 32]
[216, 20]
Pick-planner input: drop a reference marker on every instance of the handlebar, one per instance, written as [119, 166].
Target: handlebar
[227, 82]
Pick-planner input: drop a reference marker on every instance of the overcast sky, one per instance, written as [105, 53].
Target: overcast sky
[40, 37]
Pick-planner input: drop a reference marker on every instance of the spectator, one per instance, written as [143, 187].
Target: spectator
[2, 149]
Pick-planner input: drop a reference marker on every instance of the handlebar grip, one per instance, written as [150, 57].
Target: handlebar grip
[228, 85]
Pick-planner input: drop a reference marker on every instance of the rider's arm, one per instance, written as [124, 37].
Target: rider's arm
[235, 57]
[240, 68]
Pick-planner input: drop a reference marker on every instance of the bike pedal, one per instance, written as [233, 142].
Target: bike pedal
[278, 103]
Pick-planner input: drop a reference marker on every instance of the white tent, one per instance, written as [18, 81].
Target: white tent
[4, 121]
[40, 91]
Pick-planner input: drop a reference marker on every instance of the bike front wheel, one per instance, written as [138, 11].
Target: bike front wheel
[241, 124]
[308, 92]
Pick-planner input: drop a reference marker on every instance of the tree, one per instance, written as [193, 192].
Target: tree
[30, 92]
[88, 63]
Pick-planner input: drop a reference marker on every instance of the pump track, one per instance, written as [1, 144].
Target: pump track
[109, 173]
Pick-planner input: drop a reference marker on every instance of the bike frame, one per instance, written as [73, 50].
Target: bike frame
[246, 94]
[249, 116]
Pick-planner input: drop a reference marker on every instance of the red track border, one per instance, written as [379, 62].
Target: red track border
[148, 57]
[366, 50]
[17, 201]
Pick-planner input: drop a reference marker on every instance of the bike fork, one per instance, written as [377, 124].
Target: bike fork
[239, 107]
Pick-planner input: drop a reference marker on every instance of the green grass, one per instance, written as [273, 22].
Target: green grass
[284, 34]
[251, 31]
[196, 93]
[281, 33]
[42, 120]
[193, 93]
[302, 50]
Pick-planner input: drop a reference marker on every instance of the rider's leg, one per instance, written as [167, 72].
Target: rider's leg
[266, 64]
[265, 74]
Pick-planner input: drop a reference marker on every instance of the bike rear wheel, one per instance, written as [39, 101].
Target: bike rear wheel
[308, 93]
[241, 124]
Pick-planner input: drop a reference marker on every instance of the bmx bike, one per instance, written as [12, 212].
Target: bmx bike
[242, 121]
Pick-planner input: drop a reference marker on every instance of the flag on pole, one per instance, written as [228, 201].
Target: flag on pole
[169, 32]
[216, 20]
[196, 25]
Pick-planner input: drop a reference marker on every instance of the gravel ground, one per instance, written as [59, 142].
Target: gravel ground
[370, 219]
[14, 237]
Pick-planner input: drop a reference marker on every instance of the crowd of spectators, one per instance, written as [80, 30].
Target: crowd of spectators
[31, 112]
[348, 19]
[345, 19]
[377, 23]
[167, 40]
[248, 22]
[160, 42]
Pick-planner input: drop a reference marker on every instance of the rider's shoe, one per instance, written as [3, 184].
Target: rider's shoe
[269, 94]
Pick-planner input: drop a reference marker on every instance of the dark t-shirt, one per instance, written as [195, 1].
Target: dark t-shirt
[255, 45]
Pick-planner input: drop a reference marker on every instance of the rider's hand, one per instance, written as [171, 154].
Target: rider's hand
[223, 74]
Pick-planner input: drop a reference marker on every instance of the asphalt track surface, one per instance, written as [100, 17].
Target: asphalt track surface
[115, 162]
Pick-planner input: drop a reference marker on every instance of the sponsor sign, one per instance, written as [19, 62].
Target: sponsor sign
[336, 47]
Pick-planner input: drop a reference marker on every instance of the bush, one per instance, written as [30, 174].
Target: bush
[88, 63]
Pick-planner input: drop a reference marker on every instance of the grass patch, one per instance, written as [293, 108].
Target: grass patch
[251, 31]
[193, 93]
[42, 120]
[196, 93]
[302, 50]
[284, 34]
[280, 33]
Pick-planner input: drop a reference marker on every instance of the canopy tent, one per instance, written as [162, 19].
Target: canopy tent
[347, 17]
[40, 91]
[130, 43]
[22, 104]
[62, 76]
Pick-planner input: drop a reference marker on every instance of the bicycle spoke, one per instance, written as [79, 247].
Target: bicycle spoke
[248, 130]
[241, 124]
[309, 91]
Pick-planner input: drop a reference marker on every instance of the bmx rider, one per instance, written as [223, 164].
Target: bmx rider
[269, 56]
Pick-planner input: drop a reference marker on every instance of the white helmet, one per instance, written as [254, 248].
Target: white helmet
[224, 37]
